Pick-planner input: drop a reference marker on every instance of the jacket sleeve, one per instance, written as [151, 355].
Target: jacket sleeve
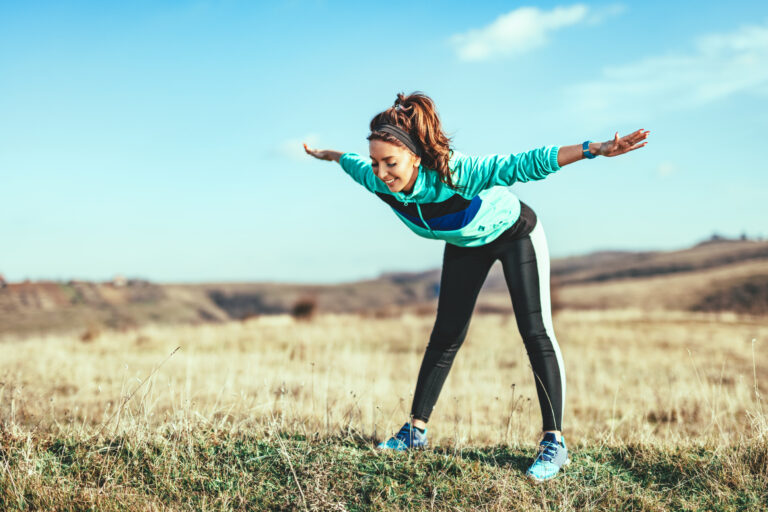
[477, 173]
[360, 170]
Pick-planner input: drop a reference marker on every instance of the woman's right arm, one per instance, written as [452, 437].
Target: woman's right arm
[357, 167]
[323, 154]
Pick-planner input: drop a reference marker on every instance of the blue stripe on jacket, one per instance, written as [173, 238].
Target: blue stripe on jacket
[451, 221]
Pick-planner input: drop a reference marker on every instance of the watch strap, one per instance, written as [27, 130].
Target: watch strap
[585, 150]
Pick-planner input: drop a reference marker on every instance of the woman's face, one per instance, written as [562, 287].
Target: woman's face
[396, 166]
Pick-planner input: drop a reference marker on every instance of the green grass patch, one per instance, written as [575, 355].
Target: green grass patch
[220, 471]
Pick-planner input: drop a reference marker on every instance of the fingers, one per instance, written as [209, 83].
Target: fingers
[314, 152]
[634, 142]
[630, 142]
[636, 136]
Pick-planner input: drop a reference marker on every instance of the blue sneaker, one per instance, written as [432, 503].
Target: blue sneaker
[552, 456]
[407, 438]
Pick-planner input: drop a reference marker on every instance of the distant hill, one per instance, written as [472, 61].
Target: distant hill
[718, 275]
[606, 266]
[45, 306]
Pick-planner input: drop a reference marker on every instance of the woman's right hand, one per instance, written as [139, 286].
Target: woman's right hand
[323, 154]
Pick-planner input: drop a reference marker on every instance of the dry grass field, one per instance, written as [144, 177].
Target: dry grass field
[655, 380]
[631, 375]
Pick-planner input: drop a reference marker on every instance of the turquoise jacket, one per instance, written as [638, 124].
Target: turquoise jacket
[474, 215]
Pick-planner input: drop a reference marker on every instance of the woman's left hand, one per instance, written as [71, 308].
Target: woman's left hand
[621, 145]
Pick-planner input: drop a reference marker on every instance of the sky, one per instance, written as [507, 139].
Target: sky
[162, 140]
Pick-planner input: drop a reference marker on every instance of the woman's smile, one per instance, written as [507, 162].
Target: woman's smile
[394, 165]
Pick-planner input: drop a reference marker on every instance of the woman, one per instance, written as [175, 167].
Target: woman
[442, 194]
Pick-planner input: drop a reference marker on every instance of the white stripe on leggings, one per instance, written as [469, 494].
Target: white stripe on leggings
[539, 242]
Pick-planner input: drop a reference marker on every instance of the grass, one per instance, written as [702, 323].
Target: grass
[663, 412]
[282, 471]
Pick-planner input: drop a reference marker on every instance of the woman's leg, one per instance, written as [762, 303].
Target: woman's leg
[526, 269]
[464, 271]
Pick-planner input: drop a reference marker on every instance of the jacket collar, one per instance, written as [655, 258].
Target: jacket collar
[418, 187]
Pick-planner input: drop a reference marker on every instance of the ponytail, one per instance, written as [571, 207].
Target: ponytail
[416, 115]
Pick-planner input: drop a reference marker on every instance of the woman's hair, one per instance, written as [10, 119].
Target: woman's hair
[416, 114]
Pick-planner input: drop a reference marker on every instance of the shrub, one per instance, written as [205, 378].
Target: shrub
[304, 308]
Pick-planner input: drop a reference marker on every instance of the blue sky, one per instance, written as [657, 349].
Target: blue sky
[162, 140]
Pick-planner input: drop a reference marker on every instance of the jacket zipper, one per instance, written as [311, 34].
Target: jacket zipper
[418, 209]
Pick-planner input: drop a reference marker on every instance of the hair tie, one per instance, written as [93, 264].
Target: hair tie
[400, 135]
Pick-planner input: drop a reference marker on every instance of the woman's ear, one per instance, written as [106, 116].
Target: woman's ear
[416, 161]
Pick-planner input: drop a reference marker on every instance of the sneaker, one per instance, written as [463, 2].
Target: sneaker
[408, 437]
[552, 456]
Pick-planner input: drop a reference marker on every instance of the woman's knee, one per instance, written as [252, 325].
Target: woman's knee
[447, 337]
[531, 327]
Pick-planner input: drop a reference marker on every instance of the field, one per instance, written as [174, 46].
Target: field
[664, 411]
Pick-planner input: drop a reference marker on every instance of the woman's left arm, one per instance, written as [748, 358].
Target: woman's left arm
[614, 147]
[476, 173]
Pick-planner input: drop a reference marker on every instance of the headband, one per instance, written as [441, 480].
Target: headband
[400, 135]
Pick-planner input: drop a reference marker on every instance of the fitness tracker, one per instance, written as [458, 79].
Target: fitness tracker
[585, 150]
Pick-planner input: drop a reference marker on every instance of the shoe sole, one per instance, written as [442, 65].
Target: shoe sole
[419, 448]
[541, 480]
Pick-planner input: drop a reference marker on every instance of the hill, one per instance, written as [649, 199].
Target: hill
[718, 275]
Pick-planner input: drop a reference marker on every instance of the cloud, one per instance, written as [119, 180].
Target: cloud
[666, 168]
[516, 32]
[719, 65]
[293, 149]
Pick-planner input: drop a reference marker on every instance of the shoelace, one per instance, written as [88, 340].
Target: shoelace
[405, 434]
[548, 451]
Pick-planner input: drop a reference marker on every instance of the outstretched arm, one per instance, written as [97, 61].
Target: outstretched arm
[323, 154]
[474, 173]
[614, 147]
[357, 167]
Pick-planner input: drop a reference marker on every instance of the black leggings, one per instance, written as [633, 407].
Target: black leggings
[525, 262]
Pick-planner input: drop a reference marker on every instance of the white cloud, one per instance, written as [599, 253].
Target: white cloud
[718, 66]
[294, 150]
[516, 32]
[666, 168]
